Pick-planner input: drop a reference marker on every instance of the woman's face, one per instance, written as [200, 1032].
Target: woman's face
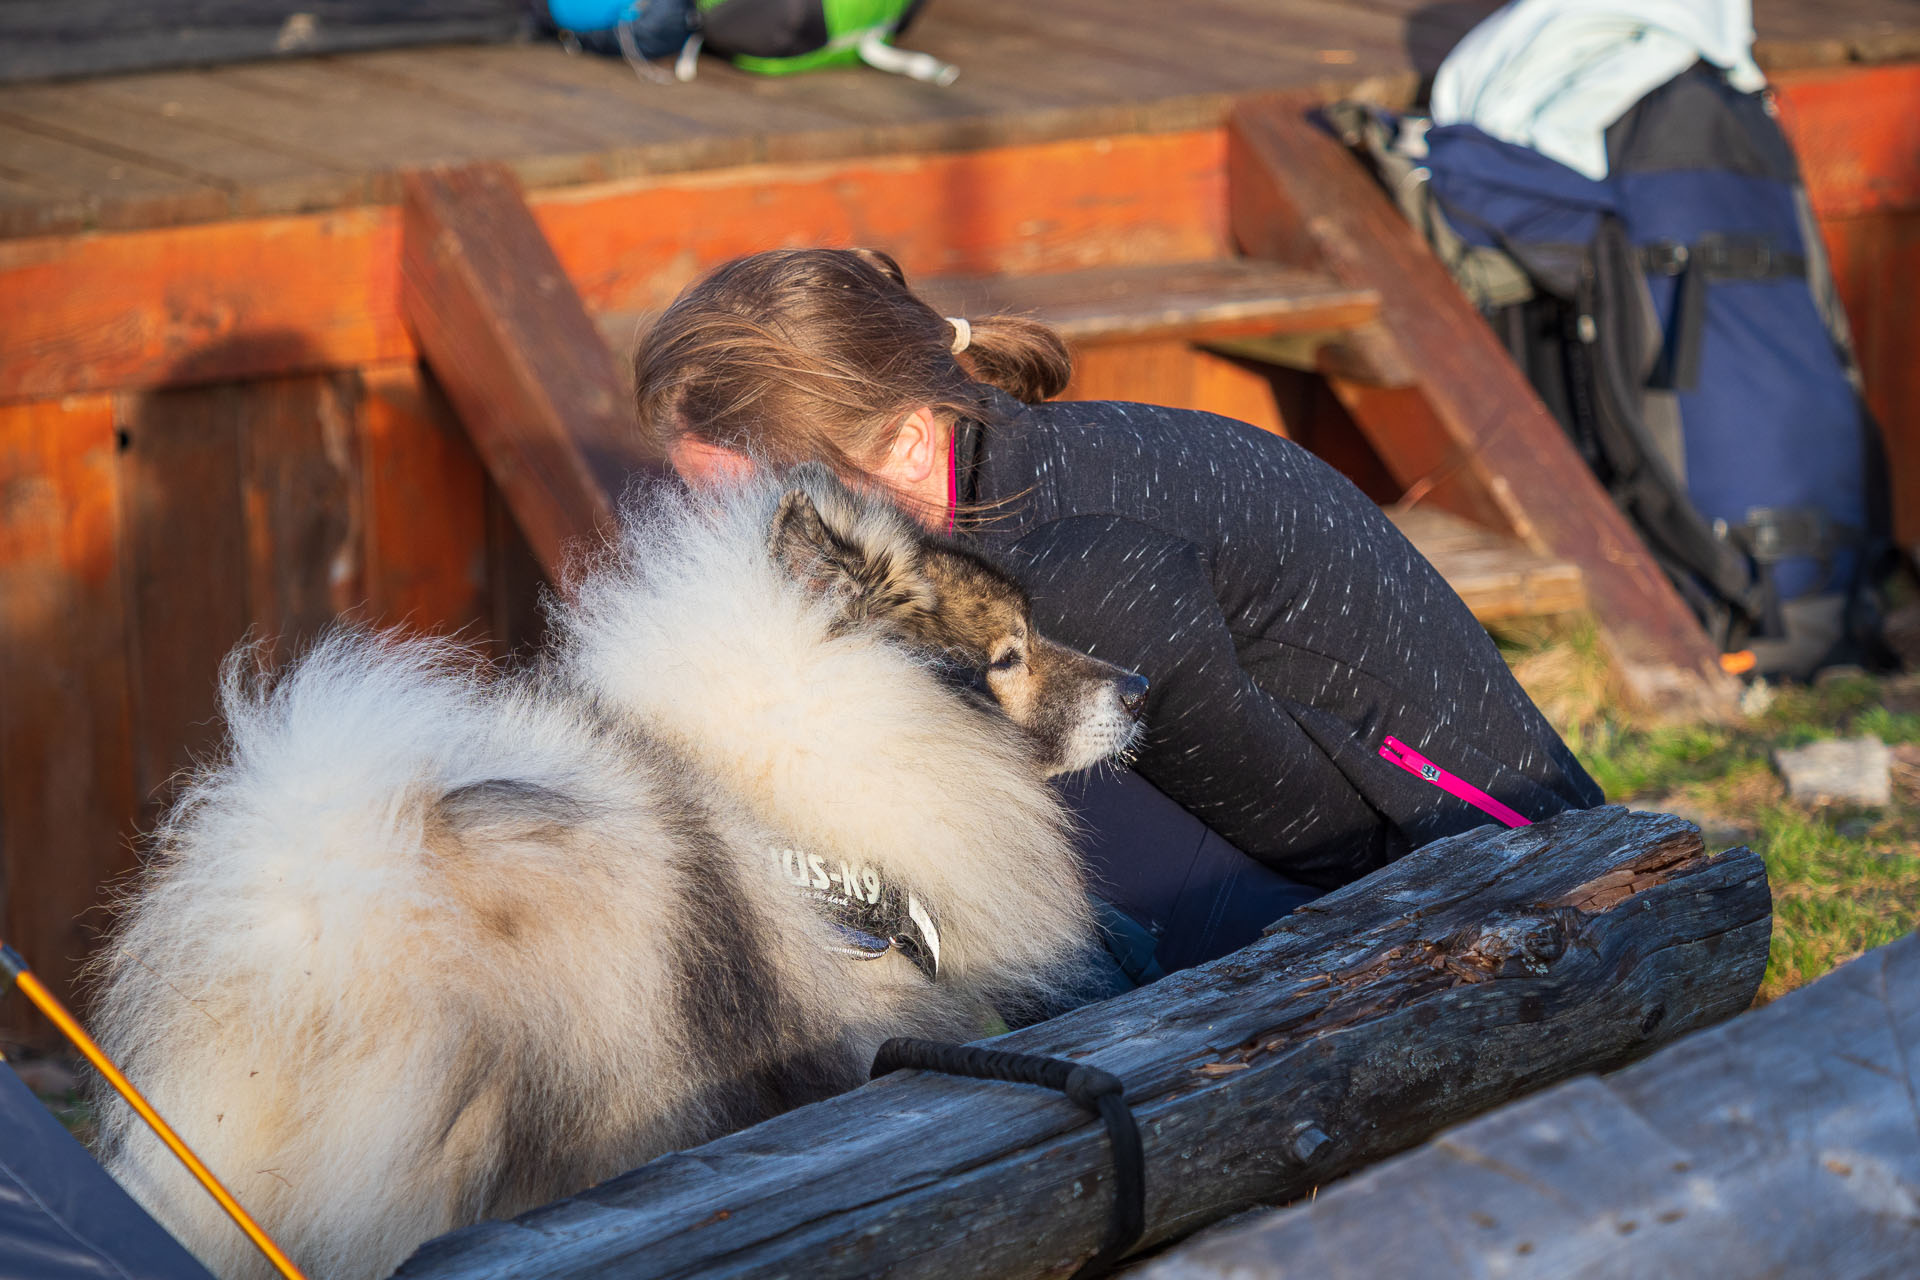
[701, 464]
[916, 468]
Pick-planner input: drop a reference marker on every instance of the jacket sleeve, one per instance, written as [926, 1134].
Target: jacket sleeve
[1237, 757]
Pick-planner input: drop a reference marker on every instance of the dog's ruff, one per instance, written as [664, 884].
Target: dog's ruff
[434, 944]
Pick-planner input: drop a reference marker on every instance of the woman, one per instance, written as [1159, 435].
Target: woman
[1287, 629]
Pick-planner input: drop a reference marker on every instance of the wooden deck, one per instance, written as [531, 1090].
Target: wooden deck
[298, 136]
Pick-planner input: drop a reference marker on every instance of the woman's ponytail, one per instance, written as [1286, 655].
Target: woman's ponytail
[1022, 357]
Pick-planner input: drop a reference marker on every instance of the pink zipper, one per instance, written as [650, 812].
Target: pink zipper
[1420, 767]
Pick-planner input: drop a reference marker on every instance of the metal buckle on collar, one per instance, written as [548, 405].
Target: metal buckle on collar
[873, 918]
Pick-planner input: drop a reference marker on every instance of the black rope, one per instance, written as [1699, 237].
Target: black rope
[1088, 1087]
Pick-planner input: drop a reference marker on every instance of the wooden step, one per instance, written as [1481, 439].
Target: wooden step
[1224, 298]
[1200, 301]
[1497, 577]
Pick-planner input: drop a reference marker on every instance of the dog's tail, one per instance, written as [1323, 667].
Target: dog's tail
[289, 983]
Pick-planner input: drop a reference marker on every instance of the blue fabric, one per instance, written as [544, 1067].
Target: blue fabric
[1772, 420]
[61, 1216]
[1170, 892]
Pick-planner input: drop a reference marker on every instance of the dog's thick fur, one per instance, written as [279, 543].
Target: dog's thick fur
[434, 943]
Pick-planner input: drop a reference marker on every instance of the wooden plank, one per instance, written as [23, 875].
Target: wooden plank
[424, 494]
[92, 37]
[184, 532]
[1317, 421]
[1298, 197]
[1235, 388]
[1875, 256]
[282, 295]
[519, 357]
[315, 109]
[515, 585]
[196, 304]
[304, 540]
[66, 792]
[1056, 206]
[258, 178]
[112, 190]
[1157, 371]
[1497, 577]
[1781, 1143]
[1468, 972]
[1196, 301]
[1857, 133]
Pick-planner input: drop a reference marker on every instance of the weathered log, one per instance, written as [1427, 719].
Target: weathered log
[1784, 1143]
[1467, 973]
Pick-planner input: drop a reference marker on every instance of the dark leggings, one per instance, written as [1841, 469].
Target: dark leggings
[1170, 892]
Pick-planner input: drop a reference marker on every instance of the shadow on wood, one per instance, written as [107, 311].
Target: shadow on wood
[1469, 972]
[1780, 1144]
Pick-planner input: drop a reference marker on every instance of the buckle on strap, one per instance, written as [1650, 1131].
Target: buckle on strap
[1772, 534]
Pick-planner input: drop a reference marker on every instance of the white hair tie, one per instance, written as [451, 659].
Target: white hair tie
[962, 333]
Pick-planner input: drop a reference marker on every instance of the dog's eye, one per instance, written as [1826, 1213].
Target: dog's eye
[1006, 661]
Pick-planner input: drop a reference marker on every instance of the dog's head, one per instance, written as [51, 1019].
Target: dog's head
[882, 570]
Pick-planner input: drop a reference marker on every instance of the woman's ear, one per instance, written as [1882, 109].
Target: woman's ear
[918, 450]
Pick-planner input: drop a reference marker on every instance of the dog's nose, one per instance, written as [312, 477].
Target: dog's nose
[1133, 695]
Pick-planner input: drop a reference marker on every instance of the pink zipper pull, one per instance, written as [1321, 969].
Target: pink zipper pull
[1391, 748]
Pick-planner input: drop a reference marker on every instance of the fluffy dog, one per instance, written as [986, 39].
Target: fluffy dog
[434, 943]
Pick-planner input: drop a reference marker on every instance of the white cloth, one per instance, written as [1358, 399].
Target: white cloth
[1553, 74]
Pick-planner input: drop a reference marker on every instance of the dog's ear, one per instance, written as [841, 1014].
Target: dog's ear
[804, 547]
[855, 549]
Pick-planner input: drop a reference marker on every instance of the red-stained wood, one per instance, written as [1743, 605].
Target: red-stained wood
[1299, 198]
[1236, 388]
[199, 304]
[66, 789]
[303, 510]
[424, 495]
[517, 625]
[280, 295]
[1057, 206]
[521, 361]
[1857, 133]
[1876, 262]
[1194, 301]
[1316, 420]
[184, 530]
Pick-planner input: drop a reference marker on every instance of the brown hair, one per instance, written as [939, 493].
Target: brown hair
[814, 354]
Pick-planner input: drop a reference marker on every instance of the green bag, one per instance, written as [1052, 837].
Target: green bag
[780, 37]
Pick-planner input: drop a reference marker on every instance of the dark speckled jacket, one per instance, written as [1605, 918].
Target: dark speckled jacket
[1285, 624]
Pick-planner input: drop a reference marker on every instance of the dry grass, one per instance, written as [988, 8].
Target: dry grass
[1844, 880]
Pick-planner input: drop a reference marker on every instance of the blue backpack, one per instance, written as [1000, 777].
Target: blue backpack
[1678, 318]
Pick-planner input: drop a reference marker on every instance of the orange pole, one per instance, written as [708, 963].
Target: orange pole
[13, 966]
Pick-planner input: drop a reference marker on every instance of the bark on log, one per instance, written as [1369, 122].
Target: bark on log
[1469, 972]
[1785, 1143]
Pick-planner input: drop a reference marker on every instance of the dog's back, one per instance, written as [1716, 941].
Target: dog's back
[433, 944]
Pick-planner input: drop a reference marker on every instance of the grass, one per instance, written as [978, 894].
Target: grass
[1844, 879]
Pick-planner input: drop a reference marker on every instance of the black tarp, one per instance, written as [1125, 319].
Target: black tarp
[61, 1216]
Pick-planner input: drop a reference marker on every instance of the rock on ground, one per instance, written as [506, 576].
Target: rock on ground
[1845, 770]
